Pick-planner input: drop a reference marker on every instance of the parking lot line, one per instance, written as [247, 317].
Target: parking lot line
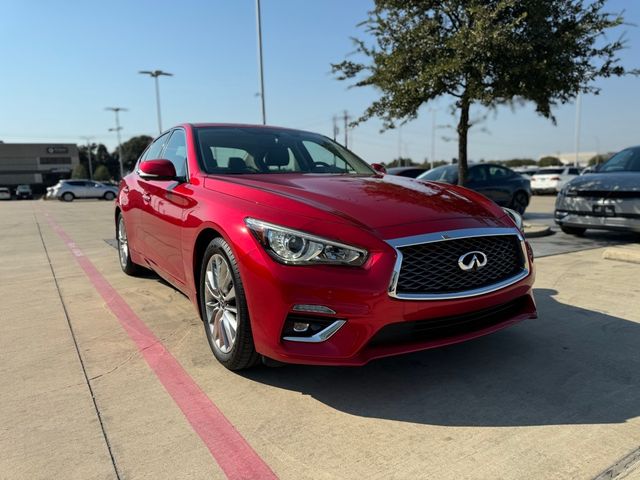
[232, 452]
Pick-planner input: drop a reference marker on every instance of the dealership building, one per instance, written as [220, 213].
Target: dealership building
[37, 164]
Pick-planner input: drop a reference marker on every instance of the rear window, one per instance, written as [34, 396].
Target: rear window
[550, 171]
[448, 174]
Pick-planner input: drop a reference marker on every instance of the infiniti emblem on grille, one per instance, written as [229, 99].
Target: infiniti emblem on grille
[472, 261]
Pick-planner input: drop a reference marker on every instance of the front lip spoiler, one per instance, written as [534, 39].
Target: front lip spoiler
[454, 235]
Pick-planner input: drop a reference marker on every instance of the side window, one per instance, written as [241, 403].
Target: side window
[574, 171]
[155, 149]
[477, 174]
[498, 173]
[176, 152]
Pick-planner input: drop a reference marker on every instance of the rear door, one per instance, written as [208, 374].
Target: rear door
[168, 202]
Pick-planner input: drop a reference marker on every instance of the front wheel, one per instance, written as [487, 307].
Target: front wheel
[573, 230]
[68, 197]
[124, 254]
[223, 308]
[109, 196]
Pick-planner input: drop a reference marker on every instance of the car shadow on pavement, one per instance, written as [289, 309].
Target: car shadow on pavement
[570, 366]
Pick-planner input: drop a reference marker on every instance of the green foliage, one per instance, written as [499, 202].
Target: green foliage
[79, 171]
[600, 158]
[101, 174]
[132, 149]
[519, 162]
[481, 52]
[549, 162]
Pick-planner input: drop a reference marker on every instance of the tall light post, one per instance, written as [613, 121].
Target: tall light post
[117, 111]
[88, 139]
[155, 74]
[259, 34]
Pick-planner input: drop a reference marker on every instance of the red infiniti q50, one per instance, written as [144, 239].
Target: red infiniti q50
[292, 248]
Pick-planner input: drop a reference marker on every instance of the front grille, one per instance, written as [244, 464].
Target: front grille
[604, 193]
[447, 327]
[432, 268]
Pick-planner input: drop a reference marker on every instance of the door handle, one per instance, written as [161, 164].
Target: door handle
[146, 197]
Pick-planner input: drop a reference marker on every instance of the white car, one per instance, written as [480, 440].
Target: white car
[5, 193]
[69, 190]
[552, 179]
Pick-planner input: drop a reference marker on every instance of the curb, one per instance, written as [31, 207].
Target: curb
[532, 230]
[622, 254]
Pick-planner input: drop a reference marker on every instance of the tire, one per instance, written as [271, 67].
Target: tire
[223, 304]
[519, 202]
[109, 196]
[124, 255]
[573, 230]
[68, 197]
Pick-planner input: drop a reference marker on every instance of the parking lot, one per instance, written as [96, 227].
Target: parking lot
[109, 376]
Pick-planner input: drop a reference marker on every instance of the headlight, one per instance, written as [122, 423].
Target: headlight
[515, 216]
[298, 248]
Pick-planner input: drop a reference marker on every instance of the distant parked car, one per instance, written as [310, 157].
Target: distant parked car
[5, 193]
[500, 184]
[552, 179]
[69, 190]
[607, 200]
[528, 171]
[411, 172]
[24, 191]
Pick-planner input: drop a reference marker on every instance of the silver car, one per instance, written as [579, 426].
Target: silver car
[606, 200]
[69, 190]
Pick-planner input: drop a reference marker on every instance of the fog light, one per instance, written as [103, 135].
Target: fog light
[300, 327]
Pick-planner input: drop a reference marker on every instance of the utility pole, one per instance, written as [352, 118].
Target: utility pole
[117, 111]
[88, 139]
[260, 63]
[155, 74]
[346, 119]
[578, 108]
[336, 129]
[433, 136]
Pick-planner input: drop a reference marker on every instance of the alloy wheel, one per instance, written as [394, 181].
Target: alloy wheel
[220, 303]
[123, 245]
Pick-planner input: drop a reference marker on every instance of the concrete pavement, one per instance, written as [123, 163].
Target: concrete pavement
[557, 397]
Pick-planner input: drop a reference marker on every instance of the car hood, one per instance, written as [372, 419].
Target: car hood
[623, 181]
[371, 201]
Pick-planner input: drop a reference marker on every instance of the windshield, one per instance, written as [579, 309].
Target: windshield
[447, 173]
[625, 161]
[244, 150]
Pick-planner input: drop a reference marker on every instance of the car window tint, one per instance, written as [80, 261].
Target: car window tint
[498, 173]
[477, 174]
[176, 152]
[155, 149]
[324, 157]
[222, 156]
[627, 160]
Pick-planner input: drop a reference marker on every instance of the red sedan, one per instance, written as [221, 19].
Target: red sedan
[293, 248]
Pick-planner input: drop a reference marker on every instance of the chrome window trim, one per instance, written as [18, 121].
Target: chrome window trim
[398, 243]
[321, 336]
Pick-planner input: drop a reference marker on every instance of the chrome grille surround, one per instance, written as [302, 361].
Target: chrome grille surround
[444, 236]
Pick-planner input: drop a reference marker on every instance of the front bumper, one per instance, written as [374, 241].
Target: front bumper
[598, 213]
[360, 297]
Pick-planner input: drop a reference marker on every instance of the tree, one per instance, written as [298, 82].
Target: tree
[101, 174]
[549, 162]
[79, 171]
[132, 149]
[519, 162]
[484, 52]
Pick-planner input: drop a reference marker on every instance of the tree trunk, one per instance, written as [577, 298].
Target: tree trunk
[463, 130]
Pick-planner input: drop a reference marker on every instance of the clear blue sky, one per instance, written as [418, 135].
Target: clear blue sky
[62, 62]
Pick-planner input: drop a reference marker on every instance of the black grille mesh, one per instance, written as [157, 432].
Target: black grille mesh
[432, 268]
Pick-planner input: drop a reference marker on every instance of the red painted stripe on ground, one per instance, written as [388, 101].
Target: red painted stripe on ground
[232, 452]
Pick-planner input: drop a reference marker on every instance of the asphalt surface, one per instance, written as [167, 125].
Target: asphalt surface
[104, 376]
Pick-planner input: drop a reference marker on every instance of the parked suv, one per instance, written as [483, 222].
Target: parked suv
[69, 190]
[24, 191]
[5, 193]
[552, 179]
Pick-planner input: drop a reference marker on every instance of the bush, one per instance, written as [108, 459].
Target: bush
[101, 174]
[549, 162]
[79, 171]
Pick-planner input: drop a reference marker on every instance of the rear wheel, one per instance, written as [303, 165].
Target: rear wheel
[223, 308]
[124, 254]
[519, 202]
[573, 230]
[68, 197]
[109, 196]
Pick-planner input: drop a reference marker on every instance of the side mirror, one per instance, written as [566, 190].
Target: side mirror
[160, 169]
[379, 168]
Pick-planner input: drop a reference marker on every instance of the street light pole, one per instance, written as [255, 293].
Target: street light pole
[117, 111]
[155, 74]
[260, 64]
[88, 139]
